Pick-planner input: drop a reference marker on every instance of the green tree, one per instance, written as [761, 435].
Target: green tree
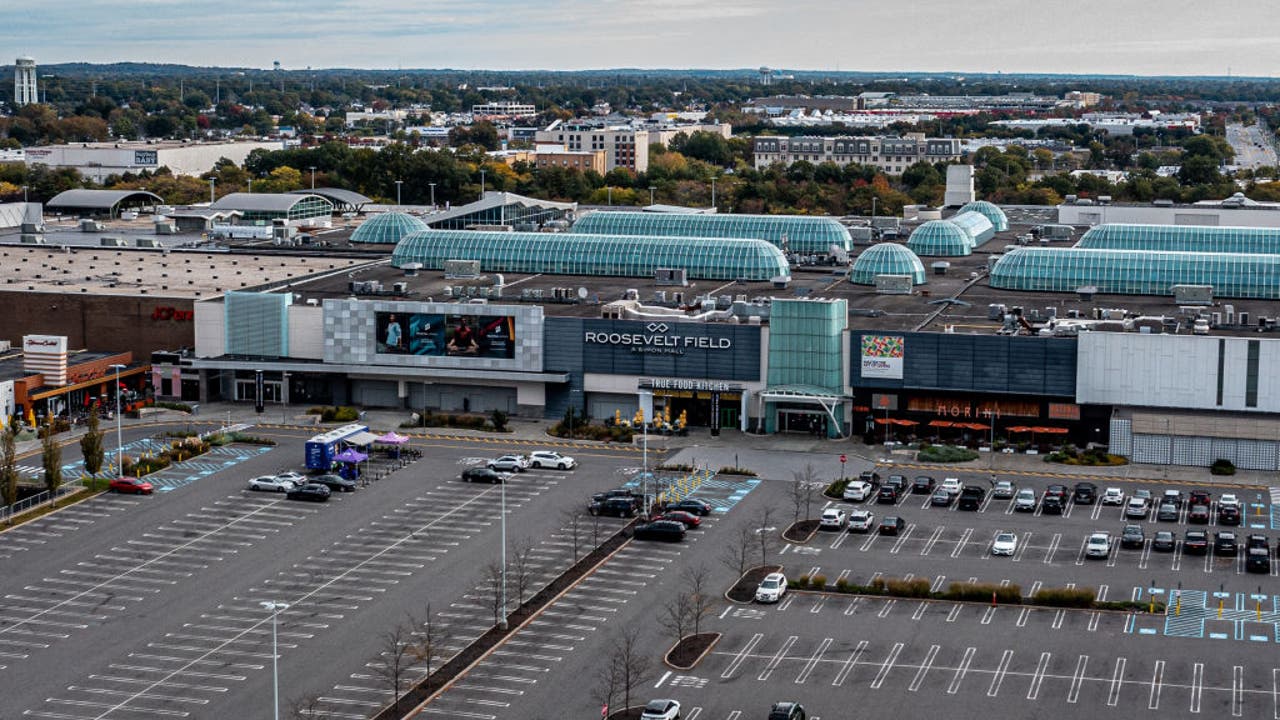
[51, 458]
[91, 444]
[9, 463]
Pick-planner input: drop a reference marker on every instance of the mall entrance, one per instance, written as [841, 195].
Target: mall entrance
[699, 407]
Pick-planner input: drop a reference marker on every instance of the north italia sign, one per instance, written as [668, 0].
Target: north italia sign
[658, 338]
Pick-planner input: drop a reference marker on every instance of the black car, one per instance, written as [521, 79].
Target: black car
[665, 530]
[615, 506]
[1164, 541]
[1257, 560]
[1225, 543]
[1168, 512]
[971, 497]
[1228, 515]
[887, 495]
[1195, 542]
[1086, 493]
[922, 484]
[314, 492]
[787, 711]
[1257, 541]
[690, 505]
[482, 474]
[892, 525]
[635, 496]
[870, 476]
[1058, 491]
[336, 483]
[1132, 536]
[897, 482]
[1052, 505]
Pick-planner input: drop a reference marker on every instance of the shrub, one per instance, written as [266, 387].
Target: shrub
[945, 454]
[250, 439]
[499, 420]
[1222, 466]
[876, 586]
[819, 581]
[344, 413]
[1066, 597]
[981, 592]
[836, 489]
[842, 584]
[675, 467]
[802, 582]
[730, 470]
[182, 407]
[914, 588]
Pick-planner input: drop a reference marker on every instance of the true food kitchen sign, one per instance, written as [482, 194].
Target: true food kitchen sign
[658, 339]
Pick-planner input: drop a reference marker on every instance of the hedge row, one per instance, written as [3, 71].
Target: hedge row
[921, 588]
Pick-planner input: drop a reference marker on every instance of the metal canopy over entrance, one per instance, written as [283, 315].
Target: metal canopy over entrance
[824, 399]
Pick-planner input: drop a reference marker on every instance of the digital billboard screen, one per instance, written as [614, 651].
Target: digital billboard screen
[434, 334]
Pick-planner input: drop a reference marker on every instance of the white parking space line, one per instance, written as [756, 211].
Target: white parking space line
[1037, 678]
[1117, 680]
[813, 661]
[961, 670]
[777, 659]
[933, 540]
[741, 656]
[886, 666]
[1275, 693]
[923, 670]
[849, 664]
[962, 542]
[1197, 686]
[1237, 691]
[1052, 549]
[1157, 683]
[998, 678]
[1073, 694]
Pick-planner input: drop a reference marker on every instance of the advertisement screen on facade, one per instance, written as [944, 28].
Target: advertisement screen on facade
[882, 356]
[431, 334]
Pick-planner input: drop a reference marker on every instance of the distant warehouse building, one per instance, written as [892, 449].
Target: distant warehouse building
[297, 209]
[98, 161]
[890, 154]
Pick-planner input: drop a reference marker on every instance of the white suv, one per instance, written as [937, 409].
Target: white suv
[858, 490]
[551, 459]
[1113, 496]
[1098, 545]
[832, 519]
[509, 463]
[861, 521]
[953, 486]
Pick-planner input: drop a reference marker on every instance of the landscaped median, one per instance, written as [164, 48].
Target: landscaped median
[921, 589]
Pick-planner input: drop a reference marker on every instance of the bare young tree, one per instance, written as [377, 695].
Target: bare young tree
[675, 617]
[572, 520]
[492, 591]
[632, 664]
[702, 598]
[608, 682]
[737, 551]
[803, 483]
[51, 459]
[9, 464]
[521, 569]
[764, 531]
[597, 527]
[393, 660]
[307, 707]
[430, 640]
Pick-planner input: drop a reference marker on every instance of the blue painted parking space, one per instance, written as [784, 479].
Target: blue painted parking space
[216, 460]
[723, 492]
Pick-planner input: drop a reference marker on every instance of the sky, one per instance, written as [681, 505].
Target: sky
[1147, 37]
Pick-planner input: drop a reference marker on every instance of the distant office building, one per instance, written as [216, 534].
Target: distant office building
[1112, 123]
[392, 117]
[97, 161]
[623, 145]
[555, 156]
[25, 89]
[890, 154]
[503, 109]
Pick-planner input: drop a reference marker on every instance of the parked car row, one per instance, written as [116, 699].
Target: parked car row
[515, 462]
[1224, 543]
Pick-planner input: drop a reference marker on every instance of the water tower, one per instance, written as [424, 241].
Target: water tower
[766, 76]
[24, 82]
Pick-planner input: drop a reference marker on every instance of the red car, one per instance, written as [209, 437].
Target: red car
[131, 485]
[688, 519]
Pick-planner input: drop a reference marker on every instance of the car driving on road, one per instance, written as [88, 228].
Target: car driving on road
[551, 459]
[483, 474]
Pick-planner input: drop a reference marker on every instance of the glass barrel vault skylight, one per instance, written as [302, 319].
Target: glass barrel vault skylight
[886, 259]
[1183, 238]
[580, 254]
[387, 228]
[1137, 272]
[812, 235]
[991, 211]
[976, 225]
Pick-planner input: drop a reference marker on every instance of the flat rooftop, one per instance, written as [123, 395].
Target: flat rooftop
[153, 273]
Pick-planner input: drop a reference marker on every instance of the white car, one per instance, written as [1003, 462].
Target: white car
[661, 710]
[1136, 508]
[1228, 500]
[1098, 545]
[861, 521]
[772, 588]
[509, 463]
[858, 490]
[551, 459]
[298, 479]
[832, 519]
[271, 483]
[1003, 489]
[1113, 496]
[953, 486]
[1006, 543]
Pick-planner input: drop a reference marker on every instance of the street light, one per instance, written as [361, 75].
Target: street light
[398, 184]
[482, 171]
[212, 182]
[24, 193]
[651, 189]
[433, 195]
[313, 177]
[713, 192]
[502, 624]
[119, 443]
[874, 200]
[274, 608]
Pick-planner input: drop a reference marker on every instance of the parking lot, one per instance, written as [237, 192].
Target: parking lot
[138, 607]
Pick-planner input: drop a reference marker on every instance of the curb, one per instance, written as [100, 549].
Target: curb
[799, 542]
[696, 660]
[55, 511]
[740, 578]
[980, 603]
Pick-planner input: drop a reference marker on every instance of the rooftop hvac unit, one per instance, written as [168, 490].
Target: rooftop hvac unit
[1217, 319]
[781, 282]
[1086, 293]
[893, 284]
[29, 239]
[448, 291]
[995, 311]
[941, 267]
[461, 268]
[400, 288]
[1244, 318]
[30, 227]
[631, 294]
[1229, 314]
[660, 296]
[166, 228]
[677, 298]
[670, 276]
[1193, 294]
[147, 243]
[112, 242]
[87, 225]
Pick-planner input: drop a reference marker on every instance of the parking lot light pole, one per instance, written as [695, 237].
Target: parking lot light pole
[274, 608]
[502, 624]
[119, 444]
